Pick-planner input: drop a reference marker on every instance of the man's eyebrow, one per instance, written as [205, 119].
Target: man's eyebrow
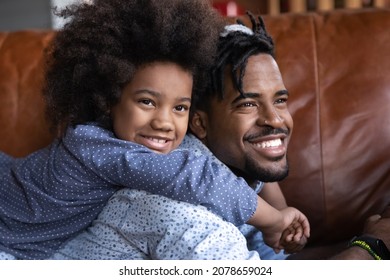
[255, 94]
[282, 92]
[246, 95]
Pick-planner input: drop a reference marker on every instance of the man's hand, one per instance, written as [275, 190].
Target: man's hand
[379, 226]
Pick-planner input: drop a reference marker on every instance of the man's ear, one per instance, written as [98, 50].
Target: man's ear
[198, 124]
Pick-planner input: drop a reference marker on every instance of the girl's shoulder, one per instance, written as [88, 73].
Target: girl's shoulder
[89, 131]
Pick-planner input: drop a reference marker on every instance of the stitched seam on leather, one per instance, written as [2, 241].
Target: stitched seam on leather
[3, 40]
[318, 100]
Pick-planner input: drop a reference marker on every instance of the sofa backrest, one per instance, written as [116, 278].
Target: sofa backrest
[23, 128]
[336, 67]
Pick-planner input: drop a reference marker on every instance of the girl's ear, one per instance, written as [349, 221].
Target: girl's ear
[198, 124]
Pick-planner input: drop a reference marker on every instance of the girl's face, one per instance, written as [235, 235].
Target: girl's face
[153, 109]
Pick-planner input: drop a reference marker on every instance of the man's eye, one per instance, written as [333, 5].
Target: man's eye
[247, 104]
[281, 101]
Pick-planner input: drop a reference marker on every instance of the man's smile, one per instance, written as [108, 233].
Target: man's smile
[271, 146]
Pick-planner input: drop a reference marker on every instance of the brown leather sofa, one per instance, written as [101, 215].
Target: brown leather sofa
[336, 67]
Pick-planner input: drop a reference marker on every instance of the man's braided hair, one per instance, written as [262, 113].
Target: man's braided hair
[236, 44]
[98, 51]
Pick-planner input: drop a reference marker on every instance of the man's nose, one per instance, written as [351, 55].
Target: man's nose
[271, 117]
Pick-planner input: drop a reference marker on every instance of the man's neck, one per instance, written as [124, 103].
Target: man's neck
[251, 181]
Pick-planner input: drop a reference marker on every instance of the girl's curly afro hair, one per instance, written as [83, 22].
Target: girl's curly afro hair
[100, 48]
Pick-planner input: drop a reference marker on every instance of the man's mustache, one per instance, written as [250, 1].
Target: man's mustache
[267, 131]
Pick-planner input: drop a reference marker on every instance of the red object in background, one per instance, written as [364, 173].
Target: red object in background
[229, 8]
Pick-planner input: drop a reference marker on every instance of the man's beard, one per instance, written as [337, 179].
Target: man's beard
[255, 171]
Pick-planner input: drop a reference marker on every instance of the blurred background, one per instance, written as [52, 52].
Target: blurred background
[275, 7]
[38, 14]
[31, 14]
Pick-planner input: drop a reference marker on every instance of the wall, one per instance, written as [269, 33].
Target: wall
[23, 14]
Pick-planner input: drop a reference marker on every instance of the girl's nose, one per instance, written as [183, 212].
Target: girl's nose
[163, 121]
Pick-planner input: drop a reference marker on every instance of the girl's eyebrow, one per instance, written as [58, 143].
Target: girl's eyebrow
[158, 94]
[152, 92]
[184, 99]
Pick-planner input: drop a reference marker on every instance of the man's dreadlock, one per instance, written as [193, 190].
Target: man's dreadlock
[235, 46]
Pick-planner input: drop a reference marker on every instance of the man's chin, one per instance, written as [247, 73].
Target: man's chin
[267, 174]
[272, 176]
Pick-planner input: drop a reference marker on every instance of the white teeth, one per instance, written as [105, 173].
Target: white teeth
[269, 144]
[160, 141]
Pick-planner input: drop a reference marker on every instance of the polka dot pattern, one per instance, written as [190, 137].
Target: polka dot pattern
[138, 225]
[55, 193]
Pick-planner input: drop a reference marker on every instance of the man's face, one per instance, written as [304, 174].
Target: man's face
[251, 134]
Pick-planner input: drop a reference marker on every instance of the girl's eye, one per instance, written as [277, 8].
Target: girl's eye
[181, 108]
[147, 102]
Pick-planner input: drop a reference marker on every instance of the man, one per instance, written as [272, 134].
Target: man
[243, 117]
[246, 124]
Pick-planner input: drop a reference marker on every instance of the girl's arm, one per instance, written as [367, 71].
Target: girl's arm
[272, 193]
[180, 175]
